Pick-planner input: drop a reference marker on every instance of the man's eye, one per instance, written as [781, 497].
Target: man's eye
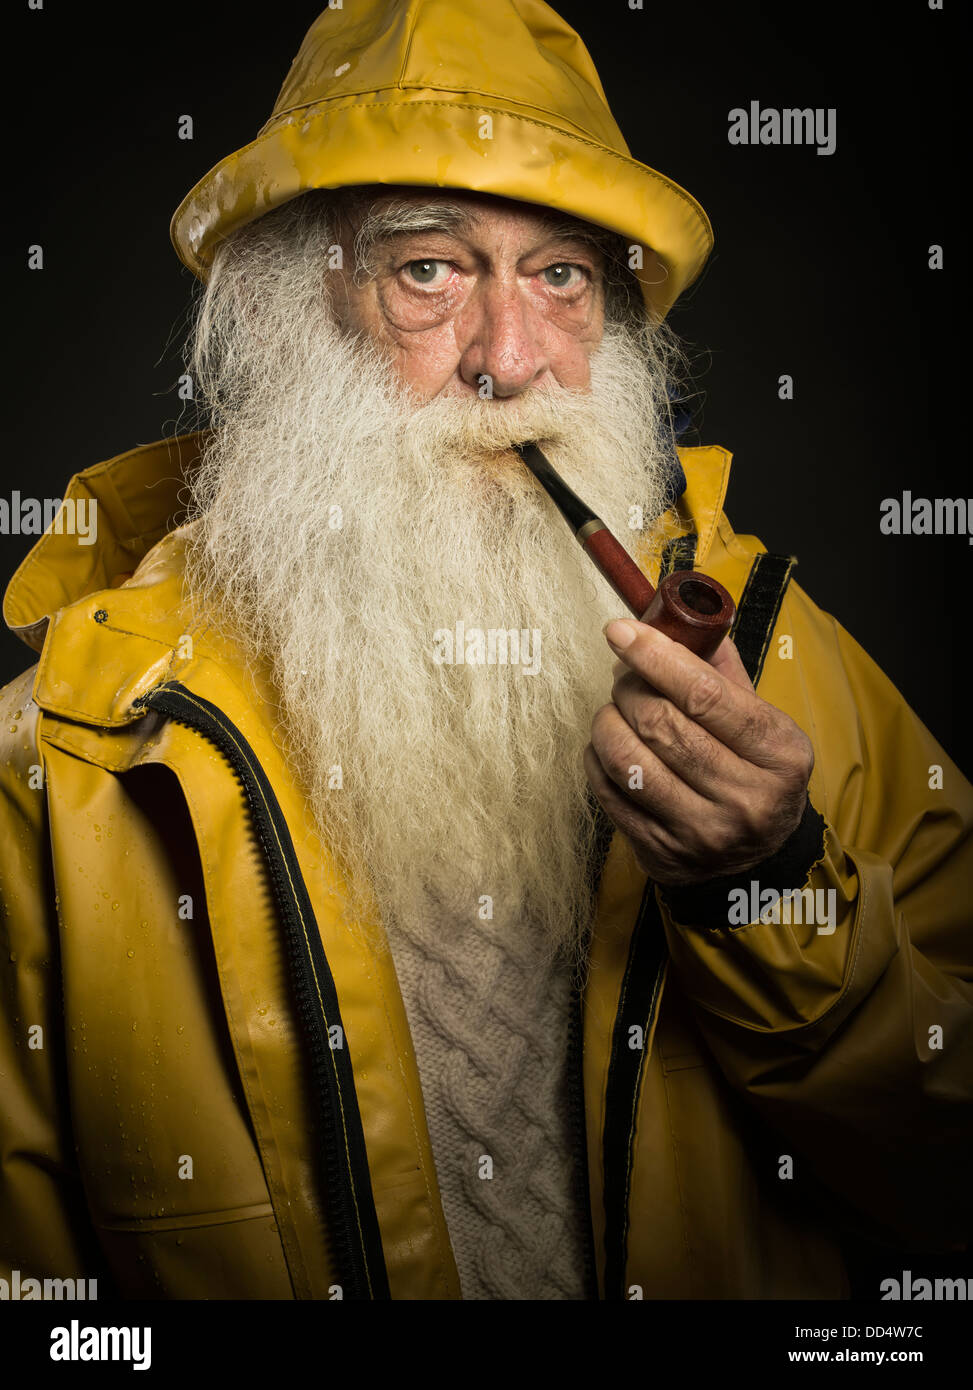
[563, 275]
[426, 272]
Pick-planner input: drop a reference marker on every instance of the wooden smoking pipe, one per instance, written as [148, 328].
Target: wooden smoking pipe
[689, 607]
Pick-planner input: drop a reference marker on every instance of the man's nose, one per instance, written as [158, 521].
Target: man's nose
[505, 351]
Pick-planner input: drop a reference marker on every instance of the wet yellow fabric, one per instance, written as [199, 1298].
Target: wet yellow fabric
[167, 1035]
[500, 97]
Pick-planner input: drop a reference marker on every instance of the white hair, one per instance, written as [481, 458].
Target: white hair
[339, 524]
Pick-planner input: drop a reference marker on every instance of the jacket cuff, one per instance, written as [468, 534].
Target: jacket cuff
[707, 904]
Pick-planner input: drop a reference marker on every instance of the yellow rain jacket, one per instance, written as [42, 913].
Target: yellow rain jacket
[207, 1086]
[223, 1099]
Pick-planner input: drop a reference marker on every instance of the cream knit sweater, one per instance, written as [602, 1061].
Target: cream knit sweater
[488, 1017]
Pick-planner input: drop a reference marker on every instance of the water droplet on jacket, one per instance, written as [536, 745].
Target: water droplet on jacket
[130, 954]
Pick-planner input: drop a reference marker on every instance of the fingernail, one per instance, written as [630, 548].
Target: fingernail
[620, 633]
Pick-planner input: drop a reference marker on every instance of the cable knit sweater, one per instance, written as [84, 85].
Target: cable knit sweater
[489, 1018]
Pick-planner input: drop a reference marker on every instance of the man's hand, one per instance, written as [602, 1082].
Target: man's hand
[703, 777]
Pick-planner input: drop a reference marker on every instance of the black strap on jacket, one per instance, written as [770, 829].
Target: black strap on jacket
[641, 991]
[757, 613]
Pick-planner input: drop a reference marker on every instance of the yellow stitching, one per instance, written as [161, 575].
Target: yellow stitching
[619, 1014]
[87, 755]
[99, 721]
[646, 1049]
[301, 1279]
[230, 734]
[684, 1221]
[772, 625]
[858, 931]
[441, 1274]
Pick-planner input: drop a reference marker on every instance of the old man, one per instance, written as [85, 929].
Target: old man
[342, 960]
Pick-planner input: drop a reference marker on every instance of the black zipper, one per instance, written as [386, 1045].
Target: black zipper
[637, 1006]
[642, 982]
[352, 1221]
[648, 953]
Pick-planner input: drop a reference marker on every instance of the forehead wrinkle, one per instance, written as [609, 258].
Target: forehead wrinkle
[382, 221]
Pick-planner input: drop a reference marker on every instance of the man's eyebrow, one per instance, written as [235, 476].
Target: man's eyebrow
[596, 238]
[398, 219]
[383, 222]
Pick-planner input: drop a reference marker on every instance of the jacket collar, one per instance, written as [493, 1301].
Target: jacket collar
[73, 603]
[136, 497]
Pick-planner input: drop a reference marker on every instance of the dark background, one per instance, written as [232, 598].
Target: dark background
[820, 268]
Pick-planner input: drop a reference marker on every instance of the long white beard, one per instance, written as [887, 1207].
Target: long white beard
[345, 528]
